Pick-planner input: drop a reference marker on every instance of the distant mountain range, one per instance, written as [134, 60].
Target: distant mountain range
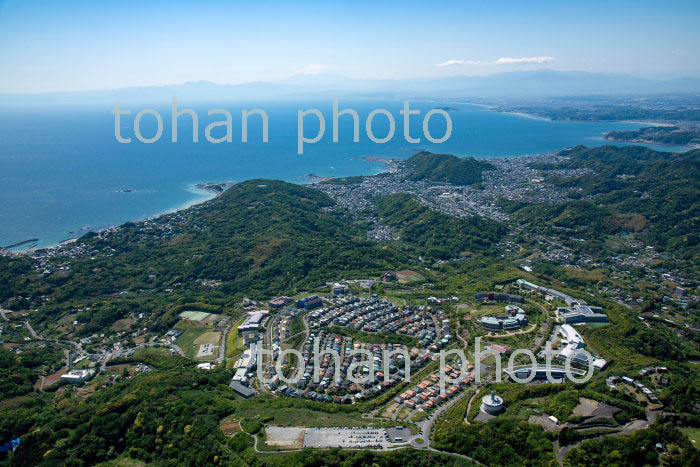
[519, 84]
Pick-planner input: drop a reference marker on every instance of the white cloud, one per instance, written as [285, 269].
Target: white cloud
[455, 62]
[500, 61]
[452, 62]
[521, 60]
[314, 69]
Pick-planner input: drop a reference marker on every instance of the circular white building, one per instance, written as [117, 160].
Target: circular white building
[492, 404]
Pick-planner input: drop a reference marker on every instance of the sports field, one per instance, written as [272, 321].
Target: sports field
[194, 315]
[207, 344]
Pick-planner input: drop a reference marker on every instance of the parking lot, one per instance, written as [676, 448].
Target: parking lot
[345, 438]
[342, 437]
[205, 350]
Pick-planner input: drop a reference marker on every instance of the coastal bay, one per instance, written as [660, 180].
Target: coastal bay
[54, 188]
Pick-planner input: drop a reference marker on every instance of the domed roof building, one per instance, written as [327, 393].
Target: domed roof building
[492, 404]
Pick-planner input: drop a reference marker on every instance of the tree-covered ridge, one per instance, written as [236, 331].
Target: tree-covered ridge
[657, 134]
[171, 417]
[446, 168]
[638, 449]
[626, 189]
[619, 160]
[503, 441]
[436, 235]
[19, 372]
[259, 238]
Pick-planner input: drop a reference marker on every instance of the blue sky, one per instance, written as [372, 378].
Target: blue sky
[74, 45]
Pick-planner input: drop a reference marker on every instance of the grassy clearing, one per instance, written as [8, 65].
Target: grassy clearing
[390, 410]
[292, 416]
[295, 341]
[405, 412]
[693, 434]
[208, 338]
[597, 325]
[593, 275]
[187, 341]
[234, 342]
[296, 325]
[123, 324]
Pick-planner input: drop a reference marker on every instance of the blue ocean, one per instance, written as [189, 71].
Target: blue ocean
[64, 173]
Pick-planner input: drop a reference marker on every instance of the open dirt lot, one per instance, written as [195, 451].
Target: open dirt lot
[593, 409]
[230, 426]
[586, 407]
[285, 437]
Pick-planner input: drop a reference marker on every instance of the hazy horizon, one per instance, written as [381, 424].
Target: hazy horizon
[78, 45]
[299, 79]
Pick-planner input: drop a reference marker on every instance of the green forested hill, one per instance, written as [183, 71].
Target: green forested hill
[436, 235]
[260, 235]
[446, 168]
[657, 134]
[262, 238]
[628, 189]
[259, 238]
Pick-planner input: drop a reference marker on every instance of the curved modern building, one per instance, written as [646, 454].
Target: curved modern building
[558, 373]
[492, 404]
[573, 348]
[514, 319]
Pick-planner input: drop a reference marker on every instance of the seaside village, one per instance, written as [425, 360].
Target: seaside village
[367, 347]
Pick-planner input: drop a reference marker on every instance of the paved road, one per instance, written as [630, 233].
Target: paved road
[105, 361]
[438, 327]
[31, 330]
[224, 340]
[627, 429]
[469, 405]
[539, 340]
[427, 424]
[464, 341]
[177, 349]
[172, 346]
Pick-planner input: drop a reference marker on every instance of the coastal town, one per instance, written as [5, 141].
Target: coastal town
[393, 345]
[349, 234]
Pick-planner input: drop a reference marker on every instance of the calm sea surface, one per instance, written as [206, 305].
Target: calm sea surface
[62, 170]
